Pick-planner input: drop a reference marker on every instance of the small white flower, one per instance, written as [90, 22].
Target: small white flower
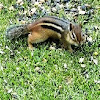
[65, 65]
[1, 68]
[89, 39]
[10, 90]
[37, 69]
[97, 81]
[87, 76]
[95, 61]
[5, 81]
[81, 60]
[17, 68]
[1, 52]
[11, 8]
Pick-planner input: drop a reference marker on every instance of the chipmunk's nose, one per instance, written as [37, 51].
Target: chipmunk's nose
[79, 43]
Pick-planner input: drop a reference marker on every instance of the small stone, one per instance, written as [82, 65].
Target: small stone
[83, 65]
[81, 60]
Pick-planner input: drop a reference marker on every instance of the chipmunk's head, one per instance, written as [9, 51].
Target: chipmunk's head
[76, 37]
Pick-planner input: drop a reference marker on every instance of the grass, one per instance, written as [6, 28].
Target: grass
[42, 74]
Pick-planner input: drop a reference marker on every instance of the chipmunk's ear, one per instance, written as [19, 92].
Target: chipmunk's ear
[71, 26]
[80, 24]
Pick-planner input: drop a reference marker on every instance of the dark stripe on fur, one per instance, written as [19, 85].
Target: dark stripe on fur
[52, 28]
[52, 23]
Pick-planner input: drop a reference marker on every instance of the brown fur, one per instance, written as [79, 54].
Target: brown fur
[47, 27]
[39, 34]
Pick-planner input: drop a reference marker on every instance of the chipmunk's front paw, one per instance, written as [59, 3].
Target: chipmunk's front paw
[71, 50]
[31, 48]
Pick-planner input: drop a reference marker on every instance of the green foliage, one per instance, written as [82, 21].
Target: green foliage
[59, 75]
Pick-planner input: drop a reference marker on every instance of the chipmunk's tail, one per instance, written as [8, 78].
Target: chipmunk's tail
[16, 31]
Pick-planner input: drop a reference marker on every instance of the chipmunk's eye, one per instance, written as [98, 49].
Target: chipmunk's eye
[73, 36]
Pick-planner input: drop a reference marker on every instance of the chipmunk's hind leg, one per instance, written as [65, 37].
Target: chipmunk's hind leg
[35, 38]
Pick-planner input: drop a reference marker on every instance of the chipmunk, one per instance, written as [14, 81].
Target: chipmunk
[42, 29]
